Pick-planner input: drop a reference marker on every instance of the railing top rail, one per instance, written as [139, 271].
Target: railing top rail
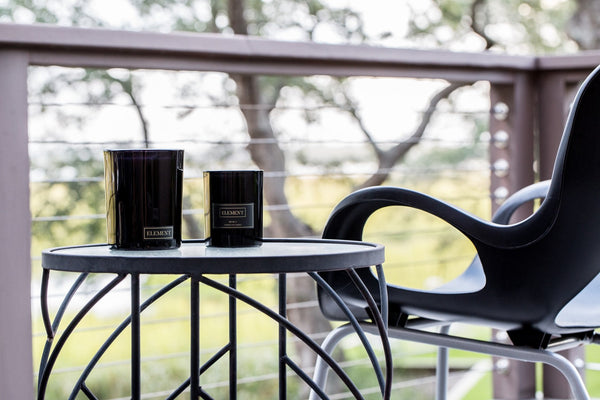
[69, 46]
[105, 48]
[584, 61]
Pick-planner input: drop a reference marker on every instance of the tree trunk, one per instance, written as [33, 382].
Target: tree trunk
[584, 26]
[267, 155]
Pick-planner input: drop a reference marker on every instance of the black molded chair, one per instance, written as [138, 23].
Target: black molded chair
[537, 279]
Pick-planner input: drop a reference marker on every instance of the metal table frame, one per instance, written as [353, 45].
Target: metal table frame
[193, 261]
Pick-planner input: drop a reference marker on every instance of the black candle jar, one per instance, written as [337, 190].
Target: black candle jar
[143, 198]
[233, 208]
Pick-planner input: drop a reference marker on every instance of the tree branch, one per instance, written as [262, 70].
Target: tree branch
[476, 6]
[142, 118]
[388, 158]
[235, 12]
[352, 109]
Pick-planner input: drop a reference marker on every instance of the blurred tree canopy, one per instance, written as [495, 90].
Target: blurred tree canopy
[532, 26]
[512, 26]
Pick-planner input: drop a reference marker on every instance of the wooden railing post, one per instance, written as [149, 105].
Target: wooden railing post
[556, 91]
[512, 136]
[16, 368]
[511, 157]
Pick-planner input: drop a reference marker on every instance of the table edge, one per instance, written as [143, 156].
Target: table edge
[372, 255]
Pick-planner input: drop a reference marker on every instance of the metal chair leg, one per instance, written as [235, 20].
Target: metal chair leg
[501, 350]
[442, 369]
[328, 345]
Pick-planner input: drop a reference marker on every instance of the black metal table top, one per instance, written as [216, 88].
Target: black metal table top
[195, 257]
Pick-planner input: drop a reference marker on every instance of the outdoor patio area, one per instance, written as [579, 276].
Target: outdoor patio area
[496, 131]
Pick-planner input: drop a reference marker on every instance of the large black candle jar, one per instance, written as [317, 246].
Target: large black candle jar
[143, 198]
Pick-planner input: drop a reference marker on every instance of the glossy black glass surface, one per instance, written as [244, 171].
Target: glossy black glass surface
[233, 208]
[143, 198]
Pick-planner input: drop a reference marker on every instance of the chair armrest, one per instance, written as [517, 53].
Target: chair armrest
[517, 199]
[501, 216]
[348, 218]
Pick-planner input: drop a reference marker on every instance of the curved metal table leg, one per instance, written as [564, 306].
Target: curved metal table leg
[291, 328]
[381, 327]
[380, 322]
[356, 326]
[49, 359]
[194, 337]
[136, 357]
[51, 327]
[118, 330]
[45, 374]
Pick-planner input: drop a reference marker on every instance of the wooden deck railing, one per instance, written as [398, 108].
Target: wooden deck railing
[533, 89]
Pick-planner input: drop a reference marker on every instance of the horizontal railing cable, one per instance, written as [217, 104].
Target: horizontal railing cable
[184, 318]
[407, 170]
[267, 208]
[342, 171]
[237, 106]
[257, 141]
[399, 384]
[412, 170]
[402, 384]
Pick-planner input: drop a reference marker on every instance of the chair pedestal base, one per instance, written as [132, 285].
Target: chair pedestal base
[445, 341]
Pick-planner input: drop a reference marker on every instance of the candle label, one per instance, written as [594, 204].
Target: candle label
[233, 215]
[158, 233]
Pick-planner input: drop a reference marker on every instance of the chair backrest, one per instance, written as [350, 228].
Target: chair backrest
[565, 257]
[555, 254]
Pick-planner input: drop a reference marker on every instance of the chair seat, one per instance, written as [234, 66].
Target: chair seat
[583, 311]
[470, 281]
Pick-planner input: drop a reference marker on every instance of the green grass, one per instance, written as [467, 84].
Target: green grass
[411, 260]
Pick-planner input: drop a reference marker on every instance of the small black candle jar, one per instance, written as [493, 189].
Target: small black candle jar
[233, 208]
[143, 198]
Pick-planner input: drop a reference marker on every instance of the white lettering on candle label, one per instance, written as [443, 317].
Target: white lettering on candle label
[158, 233]
[233, 215]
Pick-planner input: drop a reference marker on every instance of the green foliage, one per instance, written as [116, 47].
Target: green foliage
[531, 26]
[58, 197]
[411, 238]
[34, 11]
[165, 325]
